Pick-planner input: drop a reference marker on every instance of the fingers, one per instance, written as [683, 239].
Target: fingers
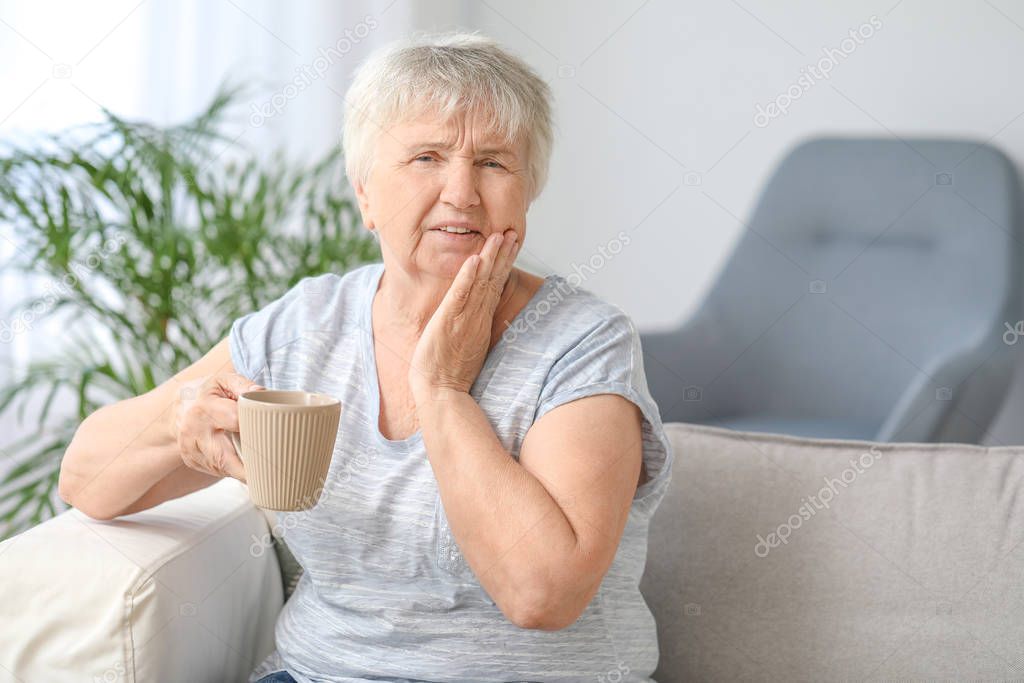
[230, 384]
[211, 451]
[495, 254]
[494, 262]
[507, 256]
[488, 253]
[229, 462]
[220, 413]
[462, 286]
[202, 430]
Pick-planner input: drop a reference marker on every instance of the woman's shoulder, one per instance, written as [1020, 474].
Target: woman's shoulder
[564, 313]
[321, 307]
[329, 296]
[313, 289]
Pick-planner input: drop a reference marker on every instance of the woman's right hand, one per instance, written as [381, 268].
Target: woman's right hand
[206, 409]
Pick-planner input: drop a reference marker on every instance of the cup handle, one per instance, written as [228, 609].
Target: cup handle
[236, 441]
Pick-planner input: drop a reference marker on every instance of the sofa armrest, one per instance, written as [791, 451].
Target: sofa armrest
[188, 590]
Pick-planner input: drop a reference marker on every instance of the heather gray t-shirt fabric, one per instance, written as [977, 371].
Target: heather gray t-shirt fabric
[386, 594]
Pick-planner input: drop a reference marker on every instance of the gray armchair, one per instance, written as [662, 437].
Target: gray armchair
[868, 299]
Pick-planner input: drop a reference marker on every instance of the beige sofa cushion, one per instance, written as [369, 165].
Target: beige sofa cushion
[906, 564]
[186, 591]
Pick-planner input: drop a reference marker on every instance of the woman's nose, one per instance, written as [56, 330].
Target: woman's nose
[460, 186]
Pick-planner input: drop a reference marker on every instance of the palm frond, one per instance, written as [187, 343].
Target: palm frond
[150, 240]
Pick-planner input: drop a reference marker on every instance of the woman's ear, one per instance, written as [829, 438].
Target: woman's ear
[364, 204]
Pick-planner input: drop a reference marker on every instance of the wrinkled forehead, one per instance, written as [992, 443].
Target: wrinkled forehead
[473, 130]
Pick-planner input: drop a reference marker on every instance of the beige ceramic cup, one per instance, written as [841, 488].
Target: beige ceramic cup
[285, 442]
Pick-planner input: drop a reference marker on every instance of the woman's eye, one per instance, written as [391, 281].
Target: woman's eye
[424, 157]
[491, 163]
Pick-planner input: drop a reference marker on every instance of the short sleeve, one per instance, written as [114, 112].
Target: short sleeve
[605, 357]
[255, 336]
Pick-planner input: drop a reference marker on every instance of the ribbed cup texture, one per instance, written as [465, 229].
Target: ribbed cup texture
[287, 451]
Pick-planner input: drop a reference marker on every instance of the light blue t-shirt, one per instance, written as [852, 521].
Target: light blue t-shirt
[386, 594]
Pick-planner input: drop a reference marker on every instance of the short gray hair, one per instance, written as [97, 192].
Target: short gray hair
[450, 74]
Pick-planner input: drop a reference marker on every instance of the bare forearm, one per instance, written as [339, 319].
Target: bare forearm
[118, 453]
[513, 534]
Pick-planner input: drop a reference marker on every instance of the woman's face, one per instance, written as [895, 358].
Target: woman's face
[427, 173]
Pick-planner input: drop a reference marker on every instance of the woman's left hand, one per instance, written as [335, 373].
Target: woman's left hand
[455, 343]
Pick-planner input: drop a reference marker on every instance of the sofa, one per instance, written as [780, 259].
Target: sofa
[772, 558]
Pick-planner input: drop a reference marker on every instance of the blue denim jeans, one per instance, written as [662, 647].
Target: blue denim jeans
[277, 677]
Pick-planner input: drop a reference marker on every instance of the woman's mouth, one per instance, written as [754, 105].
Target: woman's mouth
[456, 236]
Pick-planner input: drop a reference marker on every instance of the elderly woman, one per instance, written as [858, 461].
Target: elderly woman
[499, 456]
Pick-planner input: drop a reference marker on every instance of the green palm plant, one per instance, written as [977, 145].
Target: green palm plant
[151, 247]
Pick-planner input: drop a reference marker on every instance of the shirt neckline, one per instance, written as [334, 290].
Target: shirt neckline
[370, 355]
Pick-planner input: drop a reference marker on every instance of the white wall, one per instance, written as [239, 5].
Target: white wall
[655, 101]
[650, 91]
